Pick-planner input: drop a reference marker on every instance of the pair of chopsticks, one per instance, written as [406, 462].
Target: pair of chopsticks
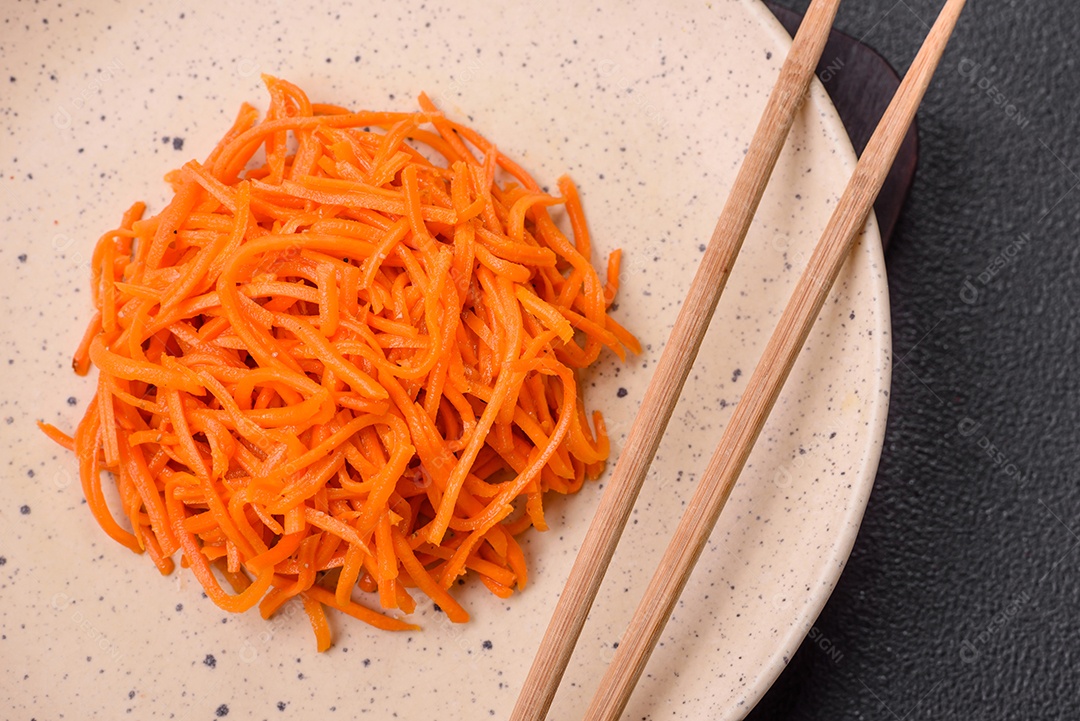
[761, 392]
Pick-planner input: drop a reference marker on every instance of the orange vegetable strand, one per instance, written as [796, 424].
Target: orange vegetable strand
[343, 369]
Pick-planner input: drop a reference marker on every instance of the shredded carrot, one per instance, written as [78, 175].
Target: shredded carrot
[346, 369]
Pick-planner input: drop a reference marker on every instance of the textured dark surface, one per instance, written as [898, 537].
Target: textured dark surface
[961, 598]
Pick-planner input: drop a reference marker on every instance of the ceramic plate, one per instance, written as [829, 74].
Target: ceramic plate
[650, 107]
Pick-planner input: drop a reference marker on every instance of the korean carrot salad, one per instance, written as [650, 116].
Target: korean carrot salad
[339, 365]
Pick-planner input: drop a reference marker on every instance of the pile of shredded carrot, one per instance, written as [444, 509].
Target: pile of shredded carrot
[332, 363]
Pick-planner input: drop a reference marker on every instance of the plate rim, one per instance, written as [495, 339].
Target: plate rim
[799, 617]
[807, 613]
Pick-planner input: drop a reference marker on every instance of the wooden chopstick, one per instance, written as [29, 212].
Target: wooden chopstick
[768, 378]
[674, 365]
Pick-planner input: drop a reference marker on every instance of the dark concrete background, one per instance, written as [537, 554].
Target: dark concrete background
[961, 598]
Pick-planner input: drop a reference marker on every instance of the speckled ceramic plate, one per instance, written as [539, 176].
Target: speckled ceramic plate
[650, 107]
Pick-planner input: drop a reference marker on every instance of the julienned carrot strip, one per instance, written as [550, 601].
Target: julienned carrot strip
[80, 362]
[57, 435]
[427, 584]
[545, 312]
[351, 358]
[88, 452]
[117, 366]
[411, 188]
[614, 266]
[319, 625]
[342, 530]
[461, 468]
[387, 563]
[286, 546]
[350, 572]
[357, 611]
[495, 587]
